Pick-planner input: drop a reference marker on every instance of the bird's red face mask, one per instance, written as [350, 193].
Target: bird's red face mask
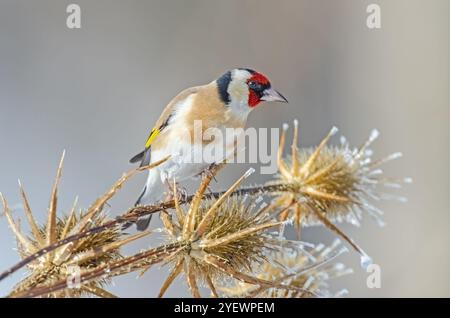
[260, 90]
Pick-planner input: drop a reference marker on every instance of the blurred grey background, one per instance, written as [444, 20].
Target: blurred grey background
[97, 91]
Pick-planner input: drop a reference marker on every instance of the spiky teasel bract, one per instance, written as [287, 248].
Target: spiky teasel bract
[223, 238]
[219, 238]
[309, 271]
[327, 183]
[70, 260]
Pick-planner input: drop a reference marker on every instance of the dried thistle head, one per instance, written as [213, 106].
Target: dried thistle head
[71, 259]
[326, 184]
[336, 180]
[307, 271]
[222, 238]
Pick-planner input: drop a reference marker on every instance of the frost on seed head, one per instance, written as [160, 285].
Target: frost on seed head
[331, 184]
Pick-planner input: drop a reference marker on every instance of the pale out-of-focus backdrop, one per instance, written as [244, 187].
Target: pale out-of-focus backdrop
[96, 92]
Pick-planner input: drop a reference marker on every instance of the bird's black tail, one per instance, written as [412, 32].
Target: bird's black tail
[144, 157]
[143, 223]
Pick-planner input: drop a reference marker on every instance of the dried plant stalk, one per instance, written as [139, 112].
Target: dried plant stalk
[336, 180]
[82, 229]
[218, 241]
[307, 270]
[87, 253]
[107, 270]
[222, 237]
[330, 184]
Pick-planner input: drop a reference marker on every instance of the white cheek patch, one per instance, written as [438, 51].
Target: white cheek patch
[237, 88]
[238, 92]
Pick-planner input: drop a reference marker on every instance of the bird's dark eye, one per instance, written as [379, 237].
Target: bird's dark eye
[254, 86]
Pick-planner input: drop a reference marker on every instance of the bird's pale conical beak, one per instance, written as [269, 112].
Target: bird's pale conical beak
[271, 95]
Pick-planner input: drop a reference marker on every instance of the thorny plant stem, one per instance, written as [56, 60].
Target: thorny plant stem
[131, 216]
[154, 256]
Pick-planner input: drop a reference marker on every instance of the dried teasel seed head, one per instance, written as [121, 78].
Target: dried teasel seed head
[338, 181]
[302, 273]
[328, 184]
[223, 238]
[70, 260]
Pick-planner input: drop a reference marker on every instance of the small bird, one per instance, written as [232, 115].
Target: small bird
[224, 103]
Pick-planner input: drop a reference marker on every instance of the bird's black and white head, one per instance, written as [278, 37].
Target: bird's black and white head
[244, 89]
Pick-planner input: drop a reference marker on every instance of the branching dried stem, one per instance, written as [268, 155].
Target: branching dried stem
[73, 237]
[132, 215]
[219, 236]
[86, 253]
[120, 267]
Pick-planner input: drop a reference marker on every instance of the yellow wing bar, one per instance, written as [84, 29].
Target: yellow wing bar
[155, 132]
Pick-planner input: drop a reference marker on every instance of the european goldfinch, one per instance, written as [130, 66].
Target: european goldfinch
[223, 103]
